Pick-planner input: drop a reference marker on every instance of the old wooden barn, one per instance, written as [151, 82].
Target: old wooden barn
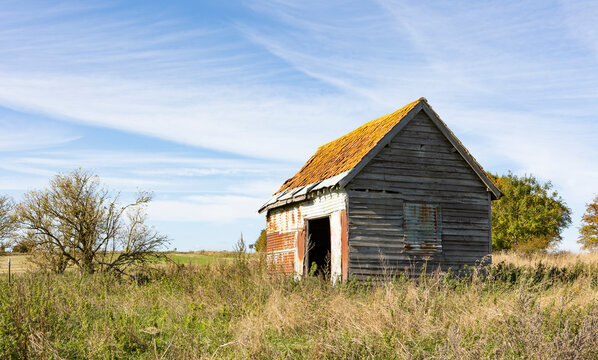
[393, 194]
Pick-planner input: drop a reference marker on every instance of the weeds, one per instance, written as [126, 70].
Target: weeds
[236, 309]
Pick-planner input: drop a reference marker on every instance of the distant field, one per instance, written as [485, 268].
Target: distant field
[201, 257]
[20, 262]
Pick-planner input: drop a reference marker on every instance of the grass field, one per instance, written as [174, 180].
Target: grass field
[234, 309]
[201, 257]
[557, 259]
[20, 262]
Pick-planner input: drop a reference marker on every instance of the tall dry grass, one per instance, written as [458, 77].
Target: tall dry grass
[561, 259]
[237, 310]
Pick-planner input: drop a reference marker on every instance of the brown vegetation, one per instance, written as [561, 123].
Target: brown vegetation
[236, 310]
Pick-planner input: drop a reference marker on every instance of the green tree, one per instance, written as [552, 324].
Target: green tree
[7, 221]
[260, 243]
[530, 216]
[76, 221]
[588, 233]
[24, 244]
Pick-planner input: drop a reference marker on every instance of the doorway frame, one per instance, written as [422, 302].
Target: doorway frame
[307, 240]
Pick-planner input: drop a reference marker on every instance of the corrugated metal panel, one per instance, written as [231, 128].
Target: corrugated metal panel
[324, 204]
[301, 193]
[423, 228]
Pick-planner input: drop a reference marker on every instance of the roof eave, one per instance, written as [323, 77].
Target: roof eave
[301, 193]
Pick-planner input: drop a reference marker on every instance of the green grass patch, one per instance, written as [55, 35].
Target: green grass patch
[200, 258]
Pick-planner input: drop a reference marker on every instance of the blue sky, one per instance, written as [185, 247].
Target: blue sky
[212, 105]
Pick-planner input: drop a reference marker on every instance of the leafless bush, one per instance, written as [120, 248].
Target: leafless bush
[76, 221]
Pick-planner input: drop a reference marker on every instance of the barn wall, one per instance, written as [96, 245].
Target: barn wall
[285, 228]
[419, 166]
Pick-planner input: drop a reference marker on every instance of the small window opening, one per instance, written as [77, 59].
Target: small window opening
[422, 228]
[318, 246]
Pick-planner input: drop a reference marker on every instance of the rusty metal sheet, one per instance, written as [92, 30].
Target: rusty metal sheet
[423, 228]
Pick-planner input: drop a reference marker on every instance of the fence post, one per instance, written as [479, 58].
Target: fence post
[8, 271]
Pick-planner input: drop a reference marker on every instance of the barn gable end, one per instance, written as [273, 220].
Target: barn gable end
[419, 167]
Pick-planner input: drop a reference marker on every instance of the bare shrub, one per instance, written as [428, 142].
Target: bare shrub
[76, 221]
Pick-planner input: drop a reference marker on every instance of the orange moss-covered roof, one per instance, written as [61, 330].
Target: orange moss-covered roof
[346, 152]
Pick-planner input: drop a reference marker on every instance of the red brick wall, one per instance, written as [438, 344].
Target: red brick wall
[276, 241]
[284, 262]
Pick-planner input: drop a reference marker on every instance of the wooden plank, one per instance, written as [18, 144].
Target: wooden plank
[378, 232]
[375, 218]
[415, 151]
[463, 238]
[404, 187]
[379, 244]
[462, 249]
[364, 207]
[412, 263]
[374, 211]
[415, 193]
[465, 212]
[424, 127]
[440, 168]
[407, 178]
[458, 163]
[384, 168]
[424, 140]
[380, 237]
[373, 198]
[449, 207]
[358, 195]
[464, 220]
[389, 257]
[376, 223]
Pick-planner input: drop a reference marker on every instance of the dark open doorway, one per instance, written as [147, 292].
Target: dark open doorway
[318, 250]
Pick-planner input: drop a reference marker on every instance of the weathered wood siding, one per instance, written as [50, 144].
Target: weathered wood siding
[420, 166]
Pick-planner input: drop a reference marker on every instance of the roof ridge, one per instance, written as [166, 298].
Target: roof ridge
[345, 152]
[376, 119]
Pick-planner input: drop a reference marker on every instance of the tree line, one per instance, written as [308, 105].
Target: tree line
[78, 222]
[532, 215]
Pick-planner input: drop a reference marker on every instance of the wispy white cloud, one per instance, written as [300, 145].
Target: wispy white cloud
[17, 134]
[516, 82]
[162, 172]
[215, 208]
[580, 18]
[178, 81]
